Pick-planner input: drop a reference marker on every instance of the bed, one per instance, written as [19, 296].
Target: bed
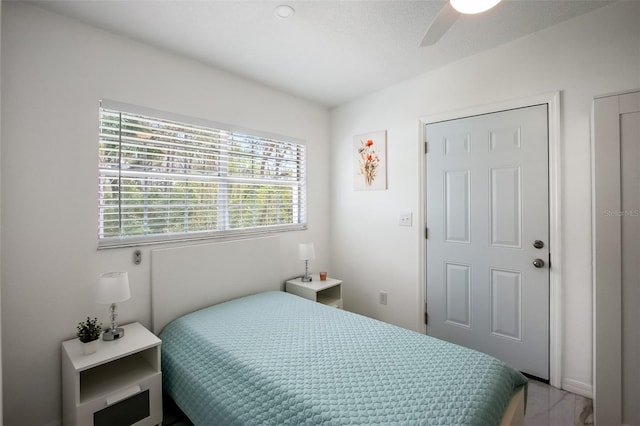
[275, 358]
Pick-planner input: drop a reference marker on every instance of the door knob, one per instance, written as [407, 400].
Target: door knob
[538, 263]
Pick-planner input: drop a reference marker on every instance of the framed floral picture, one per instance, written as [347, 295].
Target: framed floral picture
[370, 161]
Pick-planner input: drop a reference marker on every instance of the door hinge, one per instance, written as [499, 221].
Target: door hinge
[426, 317]
[426, 147]
[426, 233]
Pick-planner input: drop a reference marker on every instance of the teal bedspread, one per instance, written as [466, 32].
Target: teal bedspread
[274, 358]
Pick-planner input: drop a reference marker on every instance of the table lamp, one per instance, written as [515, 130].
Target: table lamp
[306, 252]
[113, 287]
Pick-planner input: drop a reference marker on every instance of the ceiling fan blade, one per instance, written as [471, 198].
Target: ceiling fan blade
[440, 25]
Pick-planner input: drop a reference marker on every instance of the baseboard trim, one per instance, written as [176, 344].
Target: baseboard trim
[579, 388]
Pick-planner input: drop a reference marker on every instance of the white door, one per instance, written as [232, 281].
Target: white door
[488, 235]
[630, 217]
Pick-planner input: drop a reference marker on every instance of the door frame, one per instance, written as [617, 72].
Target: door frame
[552, 99]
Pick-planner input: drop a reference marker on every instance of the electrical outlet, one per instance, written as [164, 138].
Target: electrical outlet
[405, 219]
[383, 297]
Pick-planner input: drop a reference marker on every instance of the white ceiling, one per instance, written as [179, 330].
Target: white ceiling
[330, 51]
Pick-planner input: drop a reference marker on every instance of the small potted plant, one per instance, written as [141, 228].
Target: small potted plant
[89, 334]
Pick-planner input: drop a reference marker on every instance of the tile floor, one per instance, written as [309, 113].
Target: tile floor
[546, 406]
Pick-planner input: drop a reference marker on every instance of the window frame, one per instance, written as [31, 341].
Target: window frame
[169, 237]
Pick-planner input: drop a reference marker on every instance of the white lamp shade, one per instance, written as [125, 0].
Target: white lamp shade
[473, 6]
[306, 251]
[113, 287]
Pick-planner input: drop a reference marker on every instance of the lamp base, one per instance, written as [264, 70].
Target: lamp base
[306, 279]
[113, 334]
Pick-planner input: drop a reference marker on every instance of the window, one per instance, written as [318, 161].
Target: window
[163, 178]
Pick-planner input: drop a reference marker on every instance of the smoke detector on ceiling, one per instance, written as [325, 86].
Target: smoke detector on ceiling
[284, 11]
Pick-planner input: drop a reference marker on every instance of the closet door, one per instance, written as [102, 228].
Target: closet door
[616, 250]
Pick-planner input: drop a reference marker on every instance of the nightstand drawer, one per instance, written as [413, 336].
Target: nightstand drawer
[127, 411]
[126, 406]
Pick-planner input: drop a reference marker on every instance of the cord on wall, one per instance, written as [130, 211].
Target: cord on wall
[137, 257]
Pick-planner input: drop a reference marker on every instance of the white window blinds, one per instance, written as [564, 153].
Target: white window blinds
[165, 179]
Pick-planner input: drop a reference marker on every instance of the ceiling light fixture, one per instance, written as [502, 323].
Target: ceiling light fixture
[473, 6]
[284, 11]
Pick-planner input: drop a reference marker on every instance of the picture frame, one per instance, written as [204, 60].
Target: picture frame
[370, 161]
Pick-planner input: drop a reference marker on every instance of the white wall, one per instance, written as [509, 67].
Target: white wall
[590, 55]
[54, 71]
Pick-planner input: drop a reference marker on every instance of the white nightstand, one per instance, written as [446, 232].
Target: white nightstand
[120, 384]
[328, 292]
